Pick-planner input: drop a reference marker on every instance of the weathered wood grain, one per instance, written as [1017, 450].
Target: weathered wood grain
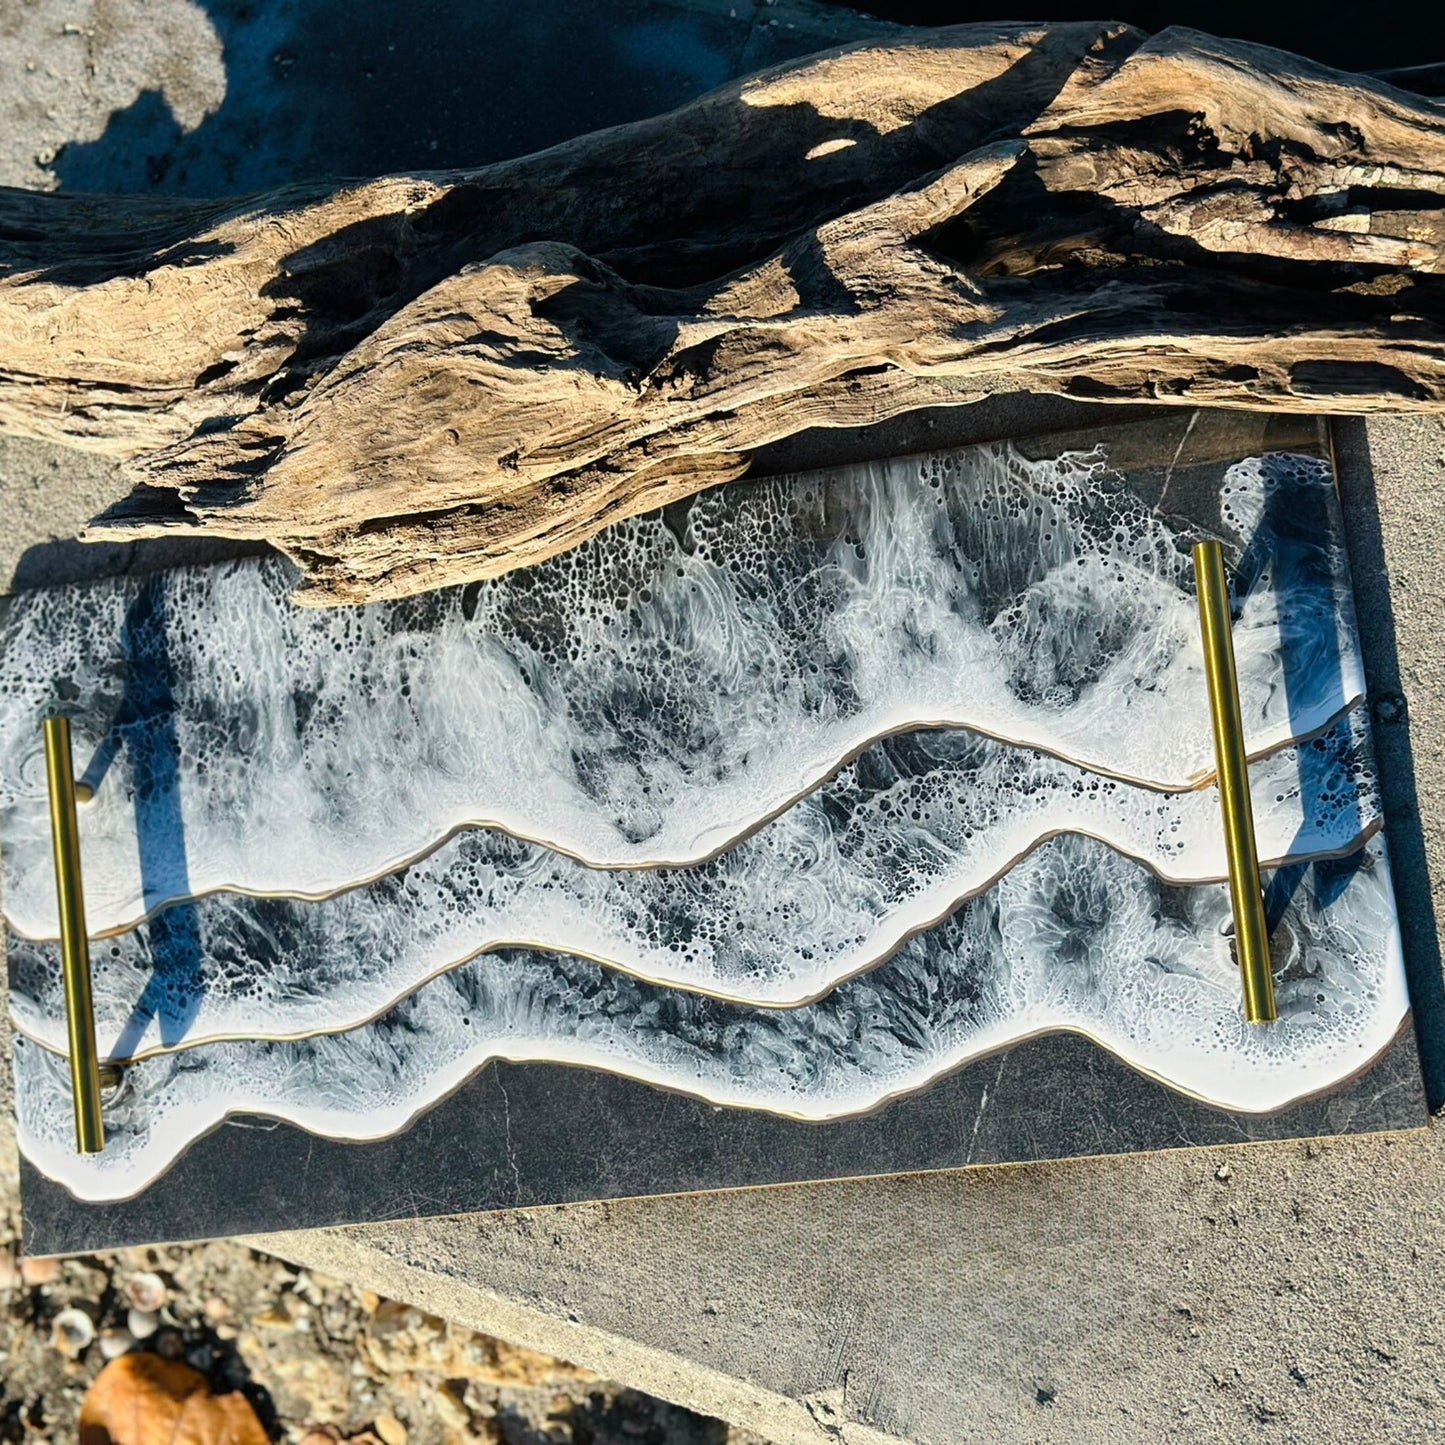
[429, 379]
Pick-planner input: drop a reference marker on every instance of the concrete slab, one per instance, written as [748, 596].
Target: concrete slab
[1162, 1297]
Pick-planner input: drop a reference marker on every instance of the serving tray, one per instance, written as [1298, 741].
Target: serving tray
[826, 824]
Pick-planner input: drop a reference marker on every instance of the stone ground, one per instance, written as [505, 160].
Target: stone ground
[320, 1360]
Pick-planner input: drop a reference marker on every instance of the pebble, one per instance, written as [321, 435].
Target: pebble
[391, 1430]
[83, 1281]
[1224, 1171]
[141, 1323]
[36, 1272]
[71, 1332]
[453, 1414]
[306, 1287]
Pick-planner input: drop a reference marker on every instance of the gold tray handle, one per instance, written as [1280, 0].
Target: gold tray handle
[1246, 896]
[74, 945]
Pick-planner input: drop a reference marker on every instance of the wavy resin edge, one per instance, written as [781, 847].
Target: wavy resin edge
[827, 890]
[1340, 984]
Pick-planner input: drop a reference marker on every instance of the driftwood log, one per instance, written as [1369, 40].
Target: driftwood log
[432, 378]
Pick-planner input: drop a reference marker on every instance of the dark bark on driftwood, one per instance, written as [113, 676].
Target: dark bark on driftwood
[427, 379]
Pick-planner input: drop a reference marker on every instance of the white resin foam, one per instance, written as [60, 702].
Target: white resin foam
[1074, 937]
[655, 694]
[825, 890]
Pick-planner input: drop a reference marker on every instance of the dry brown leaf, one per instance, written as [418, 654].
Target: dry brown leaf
[143, 1399]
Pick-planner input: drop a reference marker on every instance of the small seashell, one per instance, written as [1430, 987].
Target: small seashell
[141, 1323]
[115, 1342]
[71, 1332]
[146, 1291]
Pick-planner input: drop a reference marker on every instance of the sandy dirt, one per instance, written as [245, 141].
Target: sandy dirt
[319, 1359]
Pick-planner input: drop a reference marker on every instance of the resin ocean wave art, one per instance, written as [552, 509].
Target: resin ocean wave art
[655, 695]
[1075, 936]
[827, 889]
[793, 799]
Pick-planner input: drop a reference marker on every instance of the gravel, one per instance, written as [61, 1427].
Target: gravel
[320, 1360]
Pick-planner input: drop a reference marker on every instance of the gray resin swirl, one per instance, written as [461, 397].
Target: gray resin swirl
[664, 689]
[883, 849]
[1074, 937]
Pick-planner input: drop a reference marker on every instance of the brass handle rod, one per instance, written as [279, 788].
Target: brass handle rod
[74, 946]
[1251, 932]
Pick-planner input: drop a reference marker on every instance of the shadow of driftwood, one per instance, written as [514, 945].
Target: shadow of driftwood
[58, 564]
[335, 88]
[1398, 32]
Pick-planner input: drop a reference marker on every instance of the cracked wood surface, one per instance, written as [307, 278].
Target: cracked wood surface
[428, 379]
